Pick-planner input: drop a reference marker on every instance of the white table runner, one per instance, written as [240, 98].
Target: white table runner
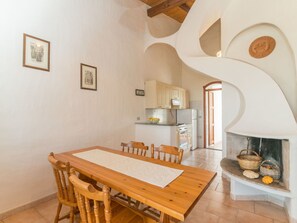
[145, 171]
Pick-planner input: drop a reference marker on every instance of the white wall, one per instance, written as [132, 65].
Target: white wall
[47, 111]
[282, 71]
[163, 64]
[161, 60]
[194, 81]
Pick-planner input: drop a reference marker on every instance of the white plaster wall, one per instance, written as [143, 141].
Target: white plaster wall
[230, 109]
[47, 111]
[163, 64]
[281, 70]
[162, 25]
[194, 81]
[161, 60]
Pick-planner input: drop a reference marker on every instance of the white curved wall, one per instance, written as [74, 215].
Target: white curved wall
[272, 119]
[263, 109]
[279, 65]
[163, 64]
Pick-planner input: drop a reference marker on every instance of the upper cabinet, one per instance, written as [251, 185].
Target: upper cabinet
[159, 95]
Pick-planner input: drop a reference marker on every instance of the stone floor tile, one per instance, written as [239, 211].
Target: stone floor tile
[270, 210]
[27, 216]
[276, 221]
[202, 204]
[214, 196]
[200, 216]
[213, 186]
[48, 209]
[222, 220]
[223, 187]
[248, 217]
[223, 211]
[242, 205]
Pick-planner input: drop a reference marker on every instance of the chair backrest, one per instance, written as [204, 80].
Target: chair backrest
[88, 200]
[65, 188]
[167, 153]
[135, 147]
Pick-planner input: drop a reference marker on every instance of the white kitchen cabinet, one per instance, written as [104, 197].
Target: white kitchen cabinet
[184, 98]
[156, 95]
[175, 92]
[159, 95]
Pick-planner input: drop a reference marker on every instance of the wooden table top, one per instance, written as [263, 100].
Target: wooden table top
[177, 199]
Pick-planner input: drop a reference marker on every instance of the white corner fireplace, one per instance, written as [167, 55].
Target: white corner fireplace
[282, 192]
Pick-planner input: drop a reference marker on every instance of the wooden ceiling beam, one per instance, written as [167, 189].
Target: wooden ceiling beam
[185, 7]
[164, 6]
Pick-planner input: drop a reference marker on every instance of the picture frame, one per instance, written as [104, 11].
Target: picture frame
[36, 53]
[88, 77]
[139, 92]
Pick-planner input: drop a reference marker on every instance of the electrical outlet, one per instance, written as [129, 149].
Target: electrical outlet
[138, 118]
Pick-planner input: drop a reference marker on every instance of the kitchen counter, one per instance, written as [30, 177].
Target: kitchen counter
[157, 134]
[156, 124]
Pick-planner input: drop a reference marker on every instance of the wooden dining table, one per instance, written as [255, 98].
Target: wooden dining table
[176, 199]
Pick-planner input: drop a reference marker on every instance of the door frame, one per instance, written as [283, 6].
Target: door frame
[204, 107]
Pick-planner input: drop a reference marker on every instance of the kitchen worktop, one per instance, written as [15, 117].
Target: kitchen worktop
[160, 124]
[157, 134]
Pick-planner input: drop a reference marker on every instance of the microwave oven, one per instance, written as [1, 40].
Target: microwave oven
[175, 103]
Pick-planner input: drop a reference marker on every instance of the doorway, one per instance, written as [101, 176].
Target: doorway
[213, 115]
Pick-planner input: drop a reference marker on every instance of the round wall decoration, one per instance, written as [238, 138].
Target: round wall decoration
[262, 46]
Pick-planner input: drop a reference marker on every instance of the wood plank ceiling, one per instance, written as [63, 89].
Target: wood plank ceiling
[176, 9]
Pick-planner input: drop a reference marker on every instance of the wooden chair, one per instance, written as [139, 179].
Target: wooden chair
[96, 206]
[65, 192]
[167, 153]
[135, 147]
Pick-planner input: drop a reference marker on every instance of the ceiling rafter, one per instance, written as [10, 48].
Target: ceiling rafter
[185, 7]
[164, 6]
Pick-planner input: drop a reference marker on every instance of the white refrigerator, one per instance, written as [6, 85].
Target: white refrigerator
[189, 116]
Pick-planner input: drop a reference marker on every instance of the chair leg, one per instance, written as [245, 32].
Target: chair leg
[71, 219]
[58, 212]
[164, 218]
[137, 204]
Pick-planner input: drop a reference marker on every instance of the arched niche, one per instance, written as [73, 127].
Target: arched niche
[210, 40]
[162, 63]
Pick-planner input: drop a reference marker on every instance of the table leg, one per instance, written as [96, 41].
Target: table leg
[164, 218]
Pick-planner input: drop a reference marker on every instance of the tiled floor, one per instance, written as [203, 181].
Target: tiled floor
[215, 206]
[217, 146]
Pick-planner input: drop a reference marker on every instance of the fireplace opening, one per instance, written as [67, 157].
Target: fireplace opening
[277, 151]
[270, 150]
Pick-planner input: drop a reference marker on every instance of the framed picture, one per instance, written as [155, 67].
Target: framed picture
[36, 53]
[88, 77]
[139, 92]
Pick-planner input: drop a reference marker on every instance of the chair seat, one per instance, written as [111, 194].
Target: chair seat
[120, 214]
[99, 206]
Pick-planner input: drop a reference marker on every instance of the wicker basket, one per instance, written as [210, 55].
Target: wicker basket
[270, 168]
[248, 161]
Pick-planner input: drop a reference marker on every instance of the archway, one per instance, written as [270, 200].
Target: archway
[212, 106]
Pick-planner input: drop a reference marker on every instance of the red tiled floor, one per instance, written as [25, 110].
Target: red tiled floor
[215, 206]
